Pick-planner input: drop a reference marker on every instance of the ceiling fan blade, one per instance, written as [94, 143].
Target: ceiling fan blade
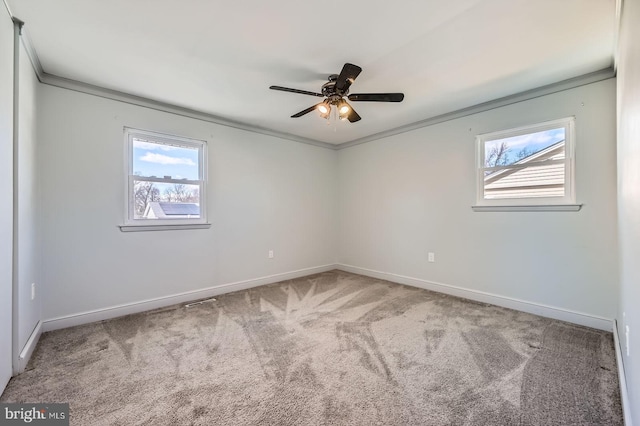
[353, 115]
[376, 97]
[302, 92]
[305, 111]
[347, 75]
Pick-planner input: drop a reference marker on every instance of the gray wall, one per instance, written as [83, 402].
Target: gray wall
[397, 199]
[263, 193]
[629, 198]
[6, 194]
[404, 196]
[28, 271]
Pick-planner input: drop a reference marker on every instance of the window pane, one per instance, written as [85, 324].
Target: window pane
[166, 201]
[163, 160]
[529, 182]
[528, 148]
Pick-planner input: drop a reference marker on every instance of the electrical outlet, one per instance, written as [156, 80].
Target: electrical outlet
[33, 291]
[432, 257]
[270, 255]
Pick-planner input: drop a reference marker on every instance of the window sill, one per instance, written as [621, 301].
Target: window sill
[530, 208]
[137, 228]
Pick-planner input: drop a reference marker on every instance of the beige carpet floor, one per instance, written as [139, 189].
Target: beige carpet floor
[328, 349]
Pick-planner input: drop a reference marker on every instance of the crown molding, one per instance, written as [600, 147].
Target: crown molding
[31, 54]
[90, 89]
[78, 86]
[560, 86]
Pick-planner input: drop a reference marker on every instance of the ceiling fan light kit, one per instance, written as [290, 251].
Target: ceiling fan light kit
[336, 90]
[343, 107]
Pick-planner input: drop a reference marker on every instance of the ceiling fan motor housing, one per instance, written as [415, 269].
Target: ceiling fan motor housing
[329, 88]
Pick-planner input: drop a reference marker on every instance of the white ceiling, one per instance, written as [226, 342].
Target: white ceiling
[221, 57]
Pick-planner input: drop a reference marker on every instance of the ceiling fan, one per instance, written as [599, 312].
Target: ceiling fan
[336, 90]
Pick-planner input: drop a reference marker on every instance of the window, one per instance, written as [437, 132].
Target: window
[165, 182]
[527, 166]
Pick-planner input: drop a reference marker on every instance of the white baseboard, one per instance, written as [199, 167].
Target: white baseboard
[507, 302]
[29, 347]
[146, 305]
[494, 299]
[624, 396]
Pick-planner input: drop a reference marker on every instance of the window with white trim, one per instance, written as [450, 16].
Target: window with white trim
[531, 165]
[165, 179]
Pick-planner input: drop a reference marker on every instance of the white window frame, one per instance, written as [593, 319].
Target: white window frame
[568, 202]
[133, 224]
